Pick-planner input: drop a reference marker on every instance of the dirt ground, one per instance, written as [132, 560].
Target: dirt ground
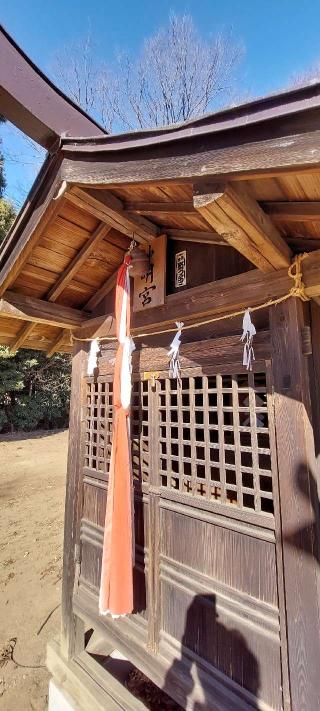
[32, 489]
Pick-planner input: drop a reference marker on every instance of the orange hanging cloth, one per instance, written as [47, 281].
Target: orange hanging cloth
[116, 587]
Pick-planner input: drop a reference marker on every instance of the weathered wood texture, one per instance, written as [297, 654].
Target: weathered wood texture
[272, 156]
[203, 481]
[71, 549]
[110, 210]
[203, 354]
[214, 298]
[145, 208]
[26, 308]
[34, 104]
[88, 683]
[298, 502]
[98, 235]
[16, 252]
[205, 263]
[152, 284]
[301, 211]
[22, 336]
[59, 342]
[238, 218]
[314, 366]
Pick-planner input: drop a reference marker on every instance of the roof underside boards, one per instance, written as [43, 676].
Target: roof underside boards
[70, 230]
[40, 338]
[60, 243]
[253, 185]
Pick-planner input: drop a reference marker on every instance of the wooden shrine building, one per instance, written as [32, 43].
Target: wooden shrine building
[225, 467]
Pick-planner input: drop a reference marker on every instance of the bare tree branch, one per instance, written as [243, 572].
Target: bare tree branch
[308, 76]
[177, 75]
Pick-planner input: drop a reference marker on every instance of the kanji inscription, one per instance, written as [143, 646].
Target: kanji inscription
[149, 288]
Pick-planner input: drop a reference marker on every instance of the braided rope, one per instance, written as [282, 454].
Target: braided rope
[297, 291]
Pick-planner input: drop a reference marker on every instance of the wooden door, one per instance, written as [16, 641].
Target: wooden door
[217, 570]
[207, 581]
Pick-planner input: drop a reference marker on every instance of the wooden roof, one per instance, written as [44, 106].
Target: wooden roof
[33, 103]
[223, 180]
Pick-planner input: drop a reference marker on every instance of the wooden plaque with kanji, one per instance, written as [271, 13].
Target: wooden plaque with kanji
[149, 289]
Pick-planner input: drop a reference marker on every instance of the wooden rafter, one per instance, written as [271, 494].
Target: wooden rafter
[110, 210]
[66, 277]
[55, 345]
[101, 293]
[196, 236]
[28, 308]
[47, 206]
[147, 208]
[293, 211]
[238, 218]
[22, 336]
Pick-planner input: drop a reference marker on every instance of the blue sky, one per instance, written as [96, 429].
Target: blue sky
[280, 37]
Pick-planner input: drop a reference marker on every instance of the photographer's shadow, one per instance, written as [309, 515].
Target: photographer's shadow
[229, 653]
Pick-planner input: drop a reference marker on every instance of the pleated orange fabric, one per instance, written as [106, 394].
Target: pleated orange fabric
[116, 588]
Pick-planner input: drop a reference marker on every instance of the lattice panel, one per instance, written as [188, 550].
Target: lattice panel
[98, 425]
[140, 433]
[215, 441]
[99, 428]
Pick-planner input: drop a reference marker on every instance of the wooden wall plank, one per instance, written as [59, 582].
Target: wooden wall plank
[73, 504]
[298, 502]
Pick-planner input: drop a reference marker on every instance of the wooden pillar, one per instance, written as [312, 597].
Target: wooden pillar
[72, 633]
[154, 526]
[298, 501]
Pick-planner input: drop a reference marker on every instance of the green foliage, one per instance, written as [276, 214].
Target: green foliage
[34, 390]
[7, 215]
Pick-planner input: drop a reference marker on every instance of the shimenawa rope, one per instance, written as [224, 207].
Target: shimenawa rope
[297, 291]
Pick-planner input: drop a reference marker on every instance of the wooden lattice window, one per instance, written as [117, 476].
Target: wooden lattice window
[98, 425]
[99, 412]
[214, 439]
[140, 424]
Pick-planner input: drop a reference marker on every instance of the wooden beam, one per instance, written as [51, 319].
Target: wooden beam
[98, 326]
[238, 218]
[30, 100]
[217, 297]
[196, 236]
[69, 639]
[28, 308]
[59, 340]
[298, 522]
[110, 210]
[101, 293]
[22, 336]
[147, 208]
[257, 156]
[293, 211]
[66, 277]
